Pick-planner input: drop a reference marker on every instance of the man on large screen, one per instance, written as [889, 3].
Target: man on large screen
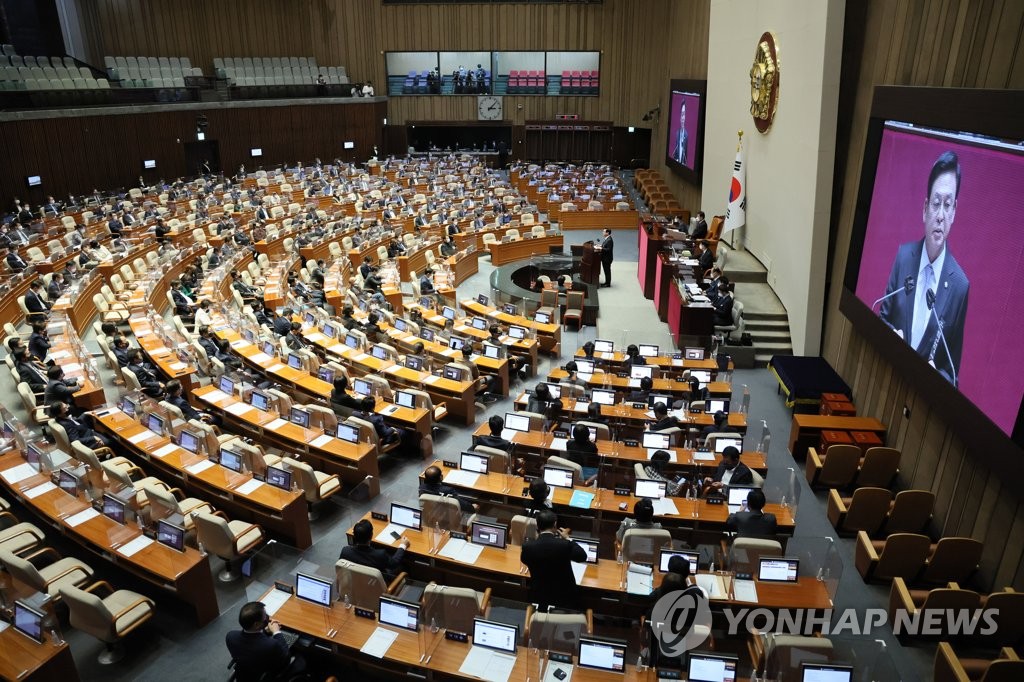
[928, 287]
[682, 137]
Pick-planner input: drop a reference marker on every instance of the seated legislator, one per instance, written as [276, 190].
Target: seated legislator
[342, 403]
[360, 552]
[662, 419]
[654, 470]
[494, 440]
[578, 449]
[721, 425]
[643, 518]
[260, 650]
[540, 498]
[753, 522]
[730, 471]
[59, 389]
[549, 559]
[76, 429]
[640, 395]
[433, 484]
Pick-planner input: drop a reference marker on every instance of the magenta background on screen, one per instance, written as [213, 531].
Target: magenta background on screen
[987, 240]
[692, 118]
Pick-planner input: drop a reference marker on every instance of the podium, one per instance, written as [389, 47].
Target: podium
[590, 264]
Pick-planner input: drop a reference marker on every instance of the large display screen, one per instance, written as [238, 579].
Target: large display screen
[684, 146]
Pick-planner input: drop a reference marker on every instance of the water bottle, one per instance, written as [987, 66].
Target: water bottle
[348, 601]
[745, 405]
[434, 626]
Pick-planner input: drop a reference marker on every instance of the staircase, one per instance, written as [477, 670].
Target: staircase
[765, 317]
[770, 333]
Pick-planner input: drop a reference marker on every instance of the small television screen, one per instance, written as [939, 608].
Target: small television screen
[426, 334]
[488, 534]
[648, 351]
[29, 622]
[479, 324]
[405, 399]
[325, 374]
[414, 362]
[329, 331]
[517, 332]
[313, 589]
[452, 373]
[294, 361]
[149, 163]
[470, 461]
[456, 343]
[448, 313]
[256, 151]
[261, 401]
[189, 441]
[399, 614]
[482, 299]
[685, 146]
[348, 433]
[510, 309]
[408, 517]
[603, 346]
[348, 145]
[491, 351]
[230, 459]
[599, 654]
[300, 417]
[34, 180]
[379, 352]
[401, 324]
[170, 535]
[113, 508]
[352, 341]
[602, 397]
[155, 423]
[543, 318]
[362, 387]
[279, 478]
[226, 385]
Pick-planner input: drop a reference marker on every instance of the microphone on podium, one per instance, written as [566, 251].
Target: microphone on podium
[908, 287]
[929, 297]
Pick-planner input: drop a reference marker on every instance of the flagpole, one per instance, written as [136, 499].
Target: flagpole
[739, 235]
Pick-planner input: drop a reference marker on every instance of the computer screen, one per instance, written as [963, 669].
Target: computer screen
[667, 554]
[602, 397]
[704, 667]
[603, 346]
[300, 417]
[599, 654]
[655, 441]
[189, 441]
[543, 318]
[268, 348]
[405, 399]
[510, 309]
[170, 535]
[778, 570]
[28, 621]
[488, 534]
[555, 390]
[226, 385]
[352, 341]
[279, 478]
[129, 407]
[448, 313]
[712, 405]
[517, 332]
[825, 672]
[692, 353]
[261, 401]
[426, 334]
[309, 319]
[33, 453]
[585, 366]
[722, 443]
[113, 508]
[590, 546]
[155, 423]
[149, 163]
[362, 387]
[641, 371]
[426, 302]
[329, 331]
[701, 375]
[400, 614]
[325, 374]
[496, 636]
[294, 361]
[648, 351]
[470, 461]
[452, 373]
[456, 343]
[479, 323]
[379, 352]
[560, 478]
[409, 517]
[249, 335]
[517, 422]
[401, 325]
[349, 433]
[654, 399]
[481, 299]
[738, 495]
[68, 482]
[313, 589]
[414, 362]
[491, 351]
[649, 488]
[231, 460]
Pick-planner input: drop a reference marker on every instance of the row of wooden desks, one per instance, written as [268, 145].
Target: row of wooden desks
[503, 253]
[675, 387]
[549, 335]
[23, 659]
[806, 429]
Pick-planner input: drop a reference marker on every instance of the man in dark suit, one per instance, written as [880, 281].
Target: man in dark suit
[730, 471]
[39, 342]
[753, 523]
[662, 420]
[706, 259]
[76, 430]
[15, 262]
[549, 559]
[173, 395]
[360, 552]
[283, 322]
[56, 286]
[494, 439]
[259, 649]
[38, 307]
[28, 370]
[607, 251]
[938, 300]
[723, 304]
[700, 230]
[433, 484]
[58, 388]
[682, 137]
[262, 213]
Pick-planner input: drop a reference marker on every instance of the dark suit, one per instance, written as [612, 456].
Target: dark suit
[666, 423]
[700, 230]
[387, 564]
[496, 442]
[607, 256]
[444, 490]
[31, 375]
[187, 410]
[77, 431]
[54, 290]
[15, 262]
[35, 303]
[706, 260]
[951, 289]
[282, 325]
[257, 653]
[679, 153]
[56, 389]
[749, 524]
[38, 346]
[723, 311]
[741, 475]
[549, 559]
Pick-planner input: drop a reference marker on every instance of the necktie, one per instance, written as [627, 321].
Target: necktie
[921, 312]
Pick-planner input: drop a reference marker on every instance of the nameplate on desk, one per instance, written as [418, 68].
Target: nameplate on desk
[559, 657]
[666, 674]
[456, 535]
[623, 492]
[450, 465]
[631, 443]
[681, 379]
[456, 636]
[560, 434]
[639, 406]
[364, 613]
[715, 500]
[378, 516]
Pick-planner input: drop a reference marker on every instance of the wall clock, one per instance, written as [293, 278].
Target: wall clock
[764, 83]
[489, 108]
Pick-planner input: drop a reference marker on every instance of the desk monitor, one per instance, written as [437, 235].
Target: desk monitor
[591, 432]
[654, 490]
[585, 366]
[471, 461]
[68, 482]
[325, 374]
[189, 440]
[641, 371]
[693, 353]
[517, 332]
[330, 331]
[456, 343]
[427, 334]
[156, 423]
[414, 362]
[602, 397]
[313, 589]
[129, 406]
[229, 459]
[665, 400]
[603, 346]
[401, 324]
[705, 667]
[279, 478]
[701, 375]
[409, 517]
[590, 547]
[299, 416]
[452, 373]
[249, 335]
[555, 390]
[352, 341]
[399, 614]
[510, 309]
[738, 495]
[491, 351]
[543, 318]
[362, 387]
[648, 351]
[268, 348]
[666, 555]
[497, 636]
[778, 570]
[722, 443]
[558, 477]
[517, 422]
[379, 352]
[482, 299]
[602, 654]
[28, 621]
[712, 405]
[171, 535]
[113, 508]
[426, 302]
[489, 534]
[261, 401]
[149, 163]
[348, 433]
[309, 319]
[405, 399]
[226, 385]
[825, 672]
[294, 361]
[33, 453]
[656, 441]
[448, 313]
[479, 324]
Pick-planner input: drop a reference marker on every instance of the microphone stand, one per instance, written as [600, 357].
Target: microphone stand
[908, 288]
[930, 300]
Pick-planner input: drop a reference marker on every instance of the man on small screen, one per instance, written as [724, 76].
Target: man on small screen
[682, 137]
[931, 288]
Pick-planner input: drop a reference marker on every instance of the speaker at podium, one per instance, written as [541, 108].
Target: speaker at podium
[590, 264]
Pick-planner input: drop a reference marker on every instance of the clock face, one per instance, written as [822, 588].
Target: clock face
[489, 108]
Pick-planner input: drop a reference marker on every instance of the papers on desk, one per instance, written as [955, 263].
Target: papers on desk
[276, 424]
[390, 409]
[580, 406]
[274, 600]
[141, 437]
[733, 508]
[73, 367]
[508, 434]
[431, 379]
[249, 486]
[701, 299]
[581, 499]
[238, 408]
[19, 473]
[321, 440]
[4, 625]
[559, 443]
[132, 547]
[607, 356]
[359, 357]
[238, 343]
[165, 450]
[712, 585]
[315, 337]
[216, 395]
[259, 358]
[199, 467]
[35, 492]
[578, 570]
[665, 507]
[487, 664]
[703, 456]
[639, 579]
[450, 352]
[338, 348]
[276, 367]
[745, 590]
[385, 535]
[378, 643]
[649, 414]
[677, 362]
[81, 517]
[60, 355]
[464, 479]
[461, 550]
[177, 366]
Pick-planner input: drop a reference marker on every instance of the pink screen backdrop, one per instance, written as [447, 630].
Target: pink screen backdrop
[986, 238]
[692, 118]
